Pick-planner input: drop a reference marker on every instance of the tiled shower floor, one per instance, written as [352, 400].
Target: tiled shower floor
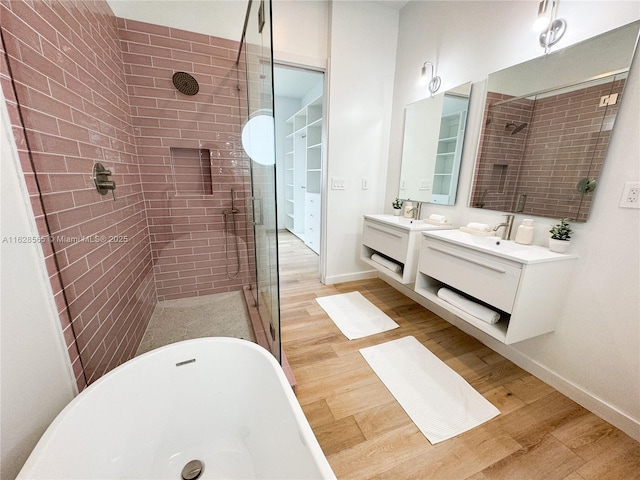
[219, 315]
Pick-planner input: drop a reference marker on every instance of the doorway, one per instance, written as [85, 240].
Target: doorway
[300, 157]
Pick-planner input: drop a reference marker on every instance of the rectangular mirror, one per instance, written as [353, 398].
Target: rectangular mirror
[432, 147]
[546, 128]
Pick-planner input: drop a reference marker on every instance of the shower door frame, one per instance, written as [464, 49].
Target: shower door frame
[257, 54]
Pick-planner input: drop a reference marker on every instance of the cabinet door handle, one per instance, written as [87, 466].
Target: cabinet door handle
[384, 231]
[470, 260]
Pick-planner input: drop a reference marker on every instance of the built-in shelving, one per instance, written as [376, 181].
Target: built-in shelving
[303, 173]
[448, 156]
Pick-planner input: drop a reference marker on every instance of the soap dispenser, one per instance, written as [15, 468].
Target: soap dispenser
[524, 235]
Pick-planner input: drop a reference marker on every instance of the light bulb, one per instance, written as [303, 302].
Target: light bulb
[541, 23]
[424, 79]
[544, 18]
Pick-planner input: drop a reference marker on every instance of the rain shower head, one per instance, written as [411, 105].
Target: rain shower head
[185, 83]
[518, 128]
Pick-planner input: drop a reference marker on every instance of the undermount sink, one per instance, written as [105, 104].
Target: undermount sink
[494, 245]
[407, 223]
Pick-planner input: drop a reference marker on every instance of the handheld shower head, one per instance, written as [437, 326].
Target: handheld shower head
[519, 128]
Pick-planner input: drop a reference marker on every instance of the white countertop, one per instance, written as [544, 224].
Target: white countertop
[501, 248]
[406, 223]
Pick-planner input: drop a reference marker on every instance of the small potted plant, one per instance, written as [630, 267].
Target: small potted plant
[397, 206]
[560, 236]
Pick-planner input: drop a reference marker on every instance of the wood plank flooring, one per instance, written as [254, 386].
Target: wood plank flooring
[365, 434]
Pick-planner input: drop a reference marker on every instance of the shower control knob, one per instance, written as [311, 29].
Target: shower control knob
[106, 184]
[101, 180]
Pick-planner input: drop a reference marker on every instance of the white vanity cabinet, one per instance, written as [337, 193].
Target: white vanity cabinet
[525, 284]
[396, 239]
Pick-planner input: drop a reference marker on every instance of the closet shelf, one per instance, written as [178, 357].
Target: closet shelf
[302, 173]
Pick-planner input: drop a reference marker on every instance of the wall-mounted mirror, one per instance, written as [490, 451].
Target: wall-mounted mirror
[546, 128]
[432, 146]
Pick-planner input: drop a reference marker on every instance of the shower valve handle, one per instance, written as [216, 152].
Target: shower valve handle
[101, 180]
[107, 184]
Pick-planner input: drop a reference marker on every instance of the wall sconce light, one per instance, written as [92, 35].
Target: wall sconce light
[552, 29]
[429, 79]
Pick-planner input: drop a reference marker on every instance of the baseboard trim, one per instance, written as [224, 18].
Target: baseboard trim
[351, 277]
[599, 407]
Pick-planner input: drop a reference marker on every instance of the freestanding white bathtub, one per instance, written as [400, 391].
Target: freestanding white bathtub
[222, 402]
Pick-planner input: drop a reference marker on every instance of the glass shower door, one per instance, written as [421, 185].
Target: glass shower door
[259, 143]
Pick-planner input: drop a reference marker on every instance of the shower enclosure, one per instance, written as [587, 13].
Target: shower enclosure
[162, 110]
[256, 52]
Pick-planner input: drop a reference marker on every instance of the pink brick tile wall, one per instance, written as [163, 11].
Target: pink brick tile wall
[94, 88]
[539, 161]
[50, 261]
[66, 62]
[576, 154]
[187, 228]
[497, 169]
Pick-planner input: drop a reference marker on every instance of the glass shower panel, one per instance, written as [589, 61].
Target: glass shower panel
[259, 143]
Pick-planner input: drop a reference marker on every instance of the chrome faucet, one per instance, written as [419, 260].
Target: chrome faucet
[508, 226]
[414, 211]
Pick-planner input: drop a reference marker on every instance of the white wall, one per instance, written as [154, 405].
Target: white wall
[36, 377]
[300, 32]
[360, 78]
[594, 354]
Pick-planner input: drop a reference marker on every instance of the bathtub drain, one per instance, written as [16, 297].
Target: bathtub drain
[192, 470]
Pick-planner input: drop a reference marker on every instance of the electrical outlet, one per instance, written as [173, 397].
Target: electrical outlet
[365, 183]
[630, 195]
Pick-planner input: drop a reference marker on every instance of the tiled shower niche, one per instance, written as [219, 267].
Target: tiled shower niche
[191, 171]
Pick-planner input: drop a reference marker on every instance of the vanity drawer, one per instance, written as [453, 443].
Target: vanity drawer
[390, 241]
[481, 276]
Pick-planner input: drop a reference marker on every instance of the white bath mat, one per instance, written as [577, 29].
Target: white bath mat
[355, 316]
[438, 400]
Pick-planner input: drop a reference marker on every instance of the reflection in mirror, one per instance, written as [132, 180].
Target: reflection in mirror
[547, 125]
[432, 146]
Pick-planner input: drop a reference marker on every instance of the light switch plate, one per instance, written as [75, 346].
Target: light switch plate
[338, 183]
